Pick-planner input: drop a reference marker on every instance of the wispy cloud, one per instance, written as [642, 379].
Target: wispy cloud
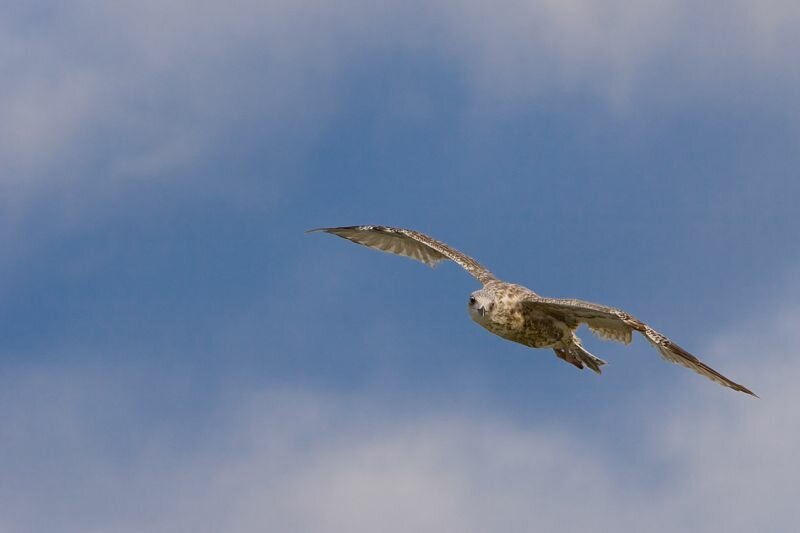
[149, 86]
[628, 52]
[311, 461]
[107, 103]
[141, 90]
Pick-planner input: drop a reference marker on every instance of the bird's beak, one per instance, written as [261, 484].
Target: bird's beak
[482, 311]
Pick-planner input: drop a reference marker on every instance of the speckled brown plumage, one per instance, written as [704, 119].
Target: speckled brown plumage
[520, 315]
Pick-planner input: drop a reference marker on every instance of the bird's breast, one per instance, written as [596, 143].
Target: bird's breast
[534, 330]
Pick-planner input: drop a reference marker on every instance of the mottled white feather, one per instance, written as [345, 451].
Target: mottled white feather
[518, 314]
[409, 243]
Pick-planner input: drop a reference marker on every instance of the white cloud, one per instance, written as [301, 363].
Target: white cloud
[104, 107]
[157, 81]
[101, 95]
[303, 461]
[151, 85]
[142, 76]
[634, 54]
[738, 460]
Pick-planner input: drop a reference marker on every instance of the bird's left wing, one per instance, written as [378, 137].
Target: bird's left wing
[409, 243]
[615, 324]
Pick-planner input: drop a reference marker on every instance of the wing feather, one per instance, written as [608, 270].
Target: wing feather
[409, 243]
[618, 325]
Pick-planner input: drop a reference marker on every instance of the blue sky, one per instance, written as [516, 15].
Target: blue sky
[178, 355]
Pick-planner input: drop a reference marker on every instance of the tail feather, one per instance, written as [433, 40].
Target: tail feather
[577, 355]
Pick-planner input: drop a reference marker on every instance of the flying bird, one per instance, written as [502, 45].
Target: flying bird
[518, 314]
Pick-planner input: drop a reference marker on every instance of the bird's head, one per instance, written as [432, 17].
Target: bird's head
[481, 305]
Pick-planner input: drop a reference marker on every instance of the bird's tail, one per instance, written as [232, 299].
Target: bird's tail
[577, 355]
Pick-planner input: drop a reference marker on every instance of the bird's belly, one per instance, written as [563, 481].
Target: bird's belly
[533, 332]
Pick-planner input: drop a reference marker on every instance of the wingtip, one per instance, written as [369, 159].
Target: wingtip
[751, 393]
[742, 388]
[334, 229]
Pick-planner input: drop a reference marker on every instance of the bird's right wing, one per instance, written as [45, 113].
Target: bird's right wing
[409, 243]
[615, 324]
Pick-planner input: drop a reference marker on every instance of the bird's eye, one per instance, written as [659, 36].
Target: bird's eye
[471, 300]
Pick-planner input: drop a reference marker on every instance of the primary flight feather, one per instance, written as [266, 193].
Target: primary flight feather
[518, 314]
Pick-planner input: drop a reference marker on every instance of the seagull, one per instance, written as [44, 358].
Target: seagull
[518, 314]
